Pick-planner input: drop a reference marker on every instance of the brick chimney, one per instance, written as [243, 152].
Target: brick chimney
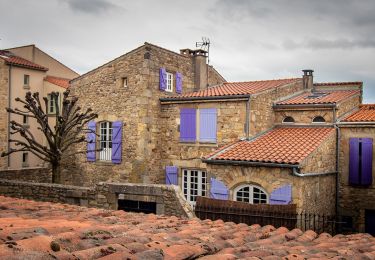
[307, 79]
[199, 58]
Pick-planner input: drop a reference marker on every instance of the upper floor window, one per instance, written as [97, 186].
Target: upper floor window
[51, 109]
[26, 81]
[251, 194]
[318, 119]
[198, 125]
[169, 86]
[105, 145]
[288, 119]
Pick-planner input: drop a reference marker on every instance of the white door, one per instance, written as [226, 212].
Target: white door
[194, 183]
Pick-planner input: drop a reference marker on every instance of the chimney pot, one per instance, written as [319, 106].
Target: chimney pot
[308, 82]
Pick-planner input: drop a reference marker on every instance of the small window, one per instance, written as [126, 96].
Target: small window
[288, 119]
[169, 86]
[124, 82]
[318, 119]
[25, 120]
[51, 104]
[25, 159]
[251, 194]
[26, 80]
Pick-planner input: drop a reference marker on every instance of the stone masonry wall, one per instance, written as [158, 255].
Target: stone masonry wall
[311, 194]
[262, 114]
[304, 116]
[353, 201]
[214, 78]
[4, 75]
[104, 195]
[41, 175]
[348, 105]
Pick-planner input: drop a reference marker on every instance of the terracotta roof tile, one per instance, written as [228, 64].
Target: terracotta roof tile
[238, 88]
[44, 230]
[21, 62]
[321, 97]
[61, 82]
[366, 113]
[287, 145]
[338, 83]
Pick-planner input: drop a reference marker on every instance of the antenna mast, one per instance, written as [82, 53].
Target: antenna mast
[205, 45]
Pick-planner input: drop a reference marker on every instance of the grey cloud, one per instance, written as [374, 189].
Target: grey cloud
[316, 44]
[91, 6]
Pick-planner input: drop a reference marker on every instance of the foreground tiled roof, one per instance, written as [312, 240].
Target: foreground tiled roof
[366, 113]
[338, 83]
[21, 62]
[29, 230]
[238, 88]
[321, 97]
[61, 82]
[287, 145]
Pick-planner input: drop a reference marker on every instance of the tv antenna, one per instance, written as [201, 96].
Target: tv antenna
[205, 45]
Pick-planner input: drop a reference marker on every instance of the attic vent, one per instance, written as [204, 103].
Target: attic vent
[316, 95]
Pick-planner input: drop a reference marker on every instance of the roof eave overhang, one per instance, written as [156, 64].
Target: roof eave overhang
[352, 123]
[250, 163]
[291, 106]
[213, 98]
[26, 67]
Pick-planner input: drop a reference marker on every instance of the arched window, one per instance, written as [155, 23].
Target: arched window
[251, 193]
[288, 119]
[318, 119]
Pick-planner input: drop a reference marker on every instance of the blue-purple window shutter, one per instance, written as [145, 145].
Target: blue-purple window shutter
[366, 176]
[116, 142]
[187, 125]
[354, 161]
[208, 125]
[282, 195]
[218, 190]
[171, 175]
[162, 79]
[178, 83]
[91, 141]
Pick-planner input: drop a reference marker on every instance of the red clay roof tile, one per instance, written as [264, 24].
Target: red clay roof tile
[321, 97]
[366, 113]
[238, 88]
[61, 82]
[338, 83]
[287, 145]
[21, 62]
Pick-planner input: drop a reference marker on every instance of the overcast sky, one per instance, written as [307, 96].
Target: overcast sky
[250, 40]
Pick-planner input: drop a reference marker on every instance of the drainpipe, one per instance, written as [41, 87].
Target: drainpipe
[9, 103]
[248, 118]
[311, 174]
[338, 137]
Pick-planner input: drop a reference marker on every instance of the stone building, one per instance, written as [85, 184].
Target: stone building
[167, 117]
[24, 69]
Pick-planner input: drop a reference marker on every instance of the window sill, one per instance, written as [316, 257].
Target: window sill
[197, 144]
[26, 86]
[104, 163]
[26, 126]
[25, 165]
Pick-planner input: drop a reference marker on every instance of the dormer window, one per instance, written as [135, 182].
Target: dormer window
[288, 119]
[318, 120]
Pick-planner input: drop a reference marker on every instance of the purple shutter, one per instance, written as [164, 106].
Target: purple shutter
[282, 195]
[163, 79]
[187, 125]
[91, 141]
[116, 141]
[366, 176]
[208, 125]
[171, 175]
[218, 190]
[178, 83]
[354, 161]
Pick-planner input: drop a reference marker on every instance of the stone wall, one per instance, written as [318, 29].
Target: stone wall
[169, 199]
[262, 115]
[41, 175]
[4, 85]
[303, 116]
[353, 201]
[312, 194]
[348, 105]
[214, 77]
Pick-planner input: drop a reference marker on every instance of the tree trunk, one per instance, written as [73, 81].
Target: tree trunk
[56, 173]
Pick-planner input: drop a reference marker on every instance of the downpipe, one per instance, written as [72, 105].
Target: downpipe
[311, 174]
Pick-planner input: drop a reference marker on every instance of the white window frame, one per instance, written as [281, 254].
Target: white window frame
[169, 85]
[105, 141]
[251, 196]
[51, 108]
[194, 183]
[26, 80]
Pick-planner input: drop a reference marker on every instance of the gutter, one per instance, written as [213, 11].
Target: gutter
[247, 96]
[9, 103]
[304, 106]
[338, 138]
[249, 163]
[355, 123]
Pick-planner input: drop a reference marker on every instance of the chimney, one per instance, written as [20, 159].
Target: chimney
[200, 67]
[307, 79]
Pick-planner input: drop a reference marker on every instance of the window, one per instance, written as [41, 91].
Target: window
[198, 125]
[251, 194]
[360, 161]
[25, 120]
[105, 141]
[288, 119]
[25, 159]
[318, 119]
[51, 103]
[124, 82]
[169, 86]
[26, 81]
[194, 183]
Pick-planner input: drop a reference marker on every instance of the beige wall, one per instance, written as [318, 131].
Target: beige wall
[4, 86]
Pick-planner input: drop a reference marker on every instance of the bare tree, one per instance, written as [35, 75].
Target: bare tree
[69, 129]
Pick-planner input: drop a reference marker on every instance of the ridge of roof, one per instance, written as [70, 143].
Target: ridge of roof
[338, 83]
